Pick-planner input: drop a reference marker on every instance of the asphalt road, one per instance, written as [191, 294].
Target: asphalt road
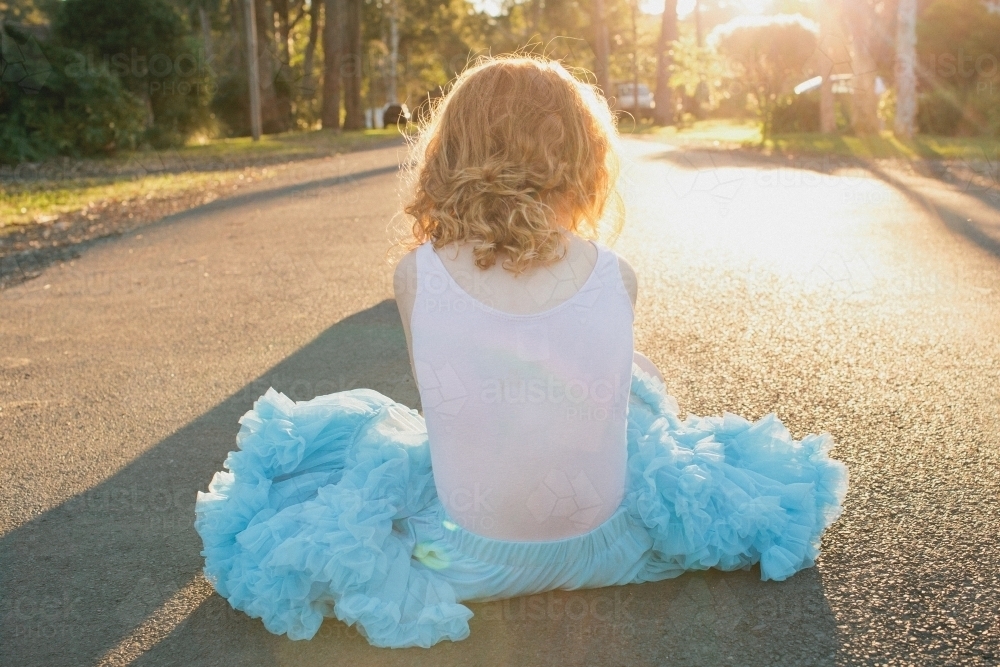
[864, 303]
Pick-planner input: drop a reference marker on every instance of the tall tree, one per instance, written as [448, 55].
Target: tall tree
[354, 117]
[601, 46]
[391, 94]
[206, 33]
[333, 44]
[864, 103]
[284, 23]
[906, 69]
[275, 113]
[309, 60]
[828, 48]
[664, 98]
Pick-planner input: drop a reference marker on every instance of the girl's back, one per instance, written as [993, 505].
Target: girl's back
[526, 403]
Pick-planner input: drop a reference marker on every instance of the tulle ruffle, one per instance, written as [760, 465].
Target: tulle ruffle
[328, 509]
[301, 527]
[722, 492]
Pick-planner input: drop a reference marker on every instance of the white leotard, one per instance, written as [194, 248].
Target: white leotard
[526, 414]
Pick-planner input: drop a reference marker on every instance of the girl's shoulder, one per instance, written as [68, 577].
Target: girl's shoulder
[404, 282]
[629, 279]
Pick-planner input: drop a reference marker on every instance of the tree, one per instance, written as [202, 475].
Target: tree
[308, 65]
[332, 58]
[354, 117]
[906, 69]
[770, 54]
[48, 107]
[959, 53]
[275, 109]
[863, 31]
[601, 46]
[664, 110]
[830, 48]
[145, 43]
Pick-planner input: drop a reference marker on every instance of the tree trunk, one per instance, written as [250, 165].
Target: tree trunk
[354, 118]
[828, 44]
[664, 98]
[864, 103]
[206, 36]
[272, 115]
[391, 89]
[283, 59]
[333, 43]
[634, 11]
[906, 75]
[281, 10]
[602, 48]
[308, 65]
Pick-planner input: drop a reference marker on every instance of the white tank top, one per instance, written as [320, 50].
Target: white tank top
[526, 414]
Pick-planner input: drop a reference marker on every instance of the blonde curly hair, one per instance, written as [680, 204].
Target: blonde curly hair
[515, 155]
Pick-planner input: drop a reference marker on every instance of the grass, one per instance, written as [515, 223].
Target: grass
[704, 133]
[41, 193]
[736, 134]
[288, 146]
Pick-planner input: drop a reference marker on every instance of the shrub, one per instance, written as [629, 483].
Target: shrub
[145, 44]
[769, 54]
[55, 114]
[797, 114]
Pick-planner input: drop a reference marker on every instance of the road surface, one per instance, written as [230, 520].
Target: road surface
[861, 302]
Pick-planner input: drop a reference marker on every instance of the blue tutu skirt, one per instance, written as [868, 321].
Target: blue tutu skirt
[328, 509]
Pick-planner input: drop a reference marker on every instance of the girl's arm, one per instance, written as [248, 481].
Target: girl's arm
[631, 283]
[404, 284]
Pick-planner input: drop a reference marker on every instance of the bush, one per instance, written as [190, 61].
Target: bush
[959, 53]
[938, 113]
[145, 44]
[52, 113]
[769, 55]
[800, 113]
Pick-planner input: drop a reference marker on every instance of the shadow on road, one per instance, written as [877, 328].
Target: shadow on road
[78, 579]
[960, 211]
[82, 581]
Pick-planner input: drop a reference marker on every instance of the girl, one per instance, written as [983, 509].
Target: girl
[549, 455]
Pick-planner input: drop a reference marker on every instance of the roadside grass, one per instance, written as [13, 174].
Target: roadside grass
[287, 146]
[41, 193]
[746, 135]
[702, 133]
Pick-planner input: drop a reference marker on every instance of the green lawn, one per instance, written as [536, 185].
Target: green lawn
[290, 145]
[733, 134]
[25, 199]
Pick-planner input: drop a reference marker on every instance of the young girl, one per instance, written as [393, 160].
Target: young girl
[549, 455]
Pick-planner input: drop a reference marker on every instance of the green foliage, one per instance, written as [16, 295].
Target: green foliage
[958, 50]
[799, 113]
[769, 55]
[62, 114]
[146, 45]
